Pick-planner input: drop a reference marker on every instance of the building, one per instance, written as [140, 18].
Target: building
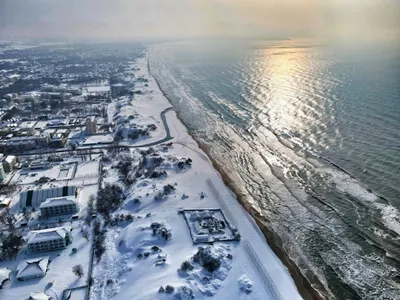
[32, 268]
[9, 163]
[39, 165]
[2, 173]
[27, 127]
[57, 140]
[33, 198]
[59, 206]
[26, 143]
[91, 125]
[4, 201]
[49, 239]
[4, 276]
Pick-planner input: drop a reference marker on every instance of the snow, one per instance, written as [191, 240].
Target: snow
[197, 187]
[59, 275]
[4, 274]
[51, 202]
[245, 284]
[98, 139]
[47, 234]
[32, 267]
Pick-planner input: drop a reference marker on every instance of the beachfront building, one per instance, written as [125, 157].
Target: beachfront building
[49, 239]
[32, 268]
[59, 206]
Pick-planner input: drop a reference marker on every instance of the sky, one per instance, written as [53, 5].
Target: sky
[140, 19]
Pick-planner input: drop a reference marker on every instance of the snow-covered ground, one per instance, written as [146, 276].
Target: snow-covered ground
[132, 268]
[59, 275]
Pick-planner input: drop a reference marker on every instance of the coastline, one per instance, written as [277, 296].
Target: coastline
[305, 287]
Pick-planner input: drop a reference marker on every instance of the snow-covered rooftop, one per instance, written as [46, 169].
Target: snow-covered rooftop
[38, 296]
[98, 89]
[51, 202]
[32, 267]
[47, 234]
[10, 159]
[4, 274]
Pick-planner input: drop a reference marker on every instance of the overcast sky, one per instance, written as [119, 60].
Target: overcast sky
[130, 19]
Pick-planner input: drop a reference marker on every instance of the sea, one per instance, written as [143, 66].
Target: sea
[309, 134]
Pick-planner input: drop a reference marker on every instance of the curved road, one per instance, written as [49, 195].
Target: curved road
[167, 138]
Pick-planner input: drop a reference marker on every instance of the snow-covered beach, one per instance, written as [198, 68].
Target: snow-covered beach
[137, 263]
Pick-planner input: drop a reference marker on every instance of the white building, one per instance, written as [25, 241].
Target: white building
[49, 239]
[32, 268]
[9, 163]
[58, 206]
[33, 198]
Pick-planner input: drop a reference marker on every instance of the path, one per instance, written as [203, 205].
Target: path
[248, 249]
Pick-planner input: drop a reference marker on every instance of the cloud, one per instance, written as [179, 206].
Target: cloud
[127, 19]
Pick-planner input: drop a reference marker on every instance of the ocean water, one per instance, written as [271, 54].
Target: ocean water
[310, 135]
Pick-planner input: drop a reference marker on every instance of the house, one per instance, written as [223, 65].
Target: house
[9, 163]
[58, 206]
[4, 276]
[32, 268]
[49, 239]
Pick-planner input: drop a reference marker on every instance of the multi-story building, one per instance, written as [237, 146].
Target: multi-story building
[2, 173]
[9, 163]
[49, 239]
[91, 125]
[58, 206]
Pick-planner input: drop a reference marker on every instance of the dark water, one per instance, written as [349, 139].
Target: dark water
[311, 135]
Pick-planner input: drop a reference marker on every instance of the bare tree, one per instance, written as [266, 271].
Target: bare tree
[85, 234]
[78, 270]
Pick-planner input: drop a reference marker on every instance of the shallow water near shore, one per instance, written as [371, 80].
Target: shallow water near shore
[310, 138]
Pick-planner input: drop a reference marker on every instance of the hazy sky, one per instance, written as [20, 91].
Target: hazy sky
[126, 19]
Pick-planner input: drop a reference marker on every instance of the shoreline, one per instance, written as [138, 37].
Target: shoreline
[305, 288]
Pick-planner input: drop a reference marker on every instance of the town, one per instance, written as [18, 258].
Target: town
[103, 190]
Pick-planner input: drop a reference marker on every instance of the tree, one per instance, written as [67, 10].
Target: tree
[78, 270]
[11, 245]
[85, 234]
